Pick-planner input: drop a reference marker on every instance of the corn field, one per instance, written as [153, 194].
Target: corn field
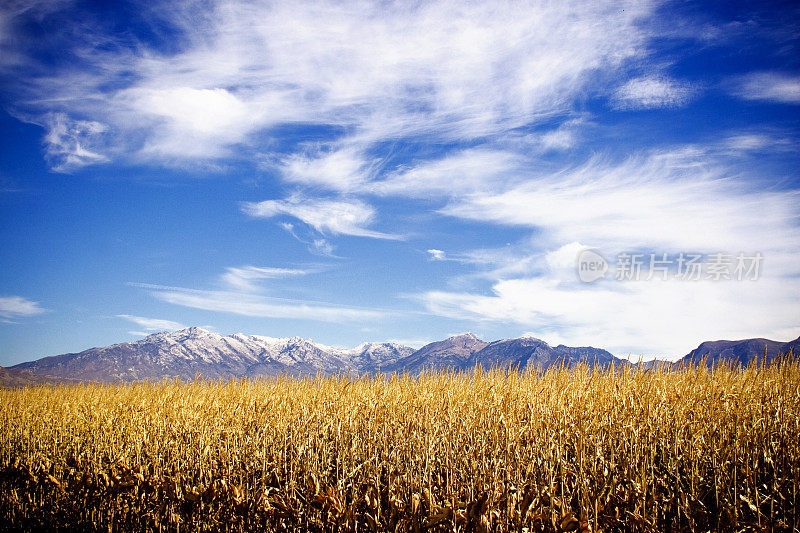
[567, 449]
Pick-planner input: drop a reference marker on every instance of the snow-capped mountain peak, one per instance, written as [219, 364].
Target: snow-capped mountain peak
[195, 351]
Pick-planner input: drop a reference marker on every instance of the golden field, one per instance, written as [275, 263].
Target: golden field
[576, 449]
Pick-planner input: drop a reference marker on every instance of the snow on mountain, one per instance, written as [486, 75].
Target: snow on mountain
[197, 352]
[452, 353]
[531, 352]
[376, 356]
[192, 352]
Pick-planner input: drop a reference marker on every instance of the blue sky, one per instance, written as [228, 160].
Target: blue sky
[351, 171]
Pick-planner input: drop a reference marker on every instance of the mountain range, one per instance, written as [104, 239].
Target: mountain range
[740, 352]
[195, 351]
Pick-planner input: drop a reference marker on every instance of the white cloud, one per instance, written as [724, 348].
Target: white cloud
[652, 92]
[203, 111]
[152, 324]
[666, 318]
[343, 169]
[567, 135]
[381, 71]
[244, 278]
[14, 45]
[13, 307]
[685, 200]
[559, 139]
[749, 142]
[316, 245]
[242, 297]
[437, 255]
[465, 171]
[347, 169]
[69, 143]
[337, 217]
[565, 257]
[682, 199]
[190, 122]
[499, 263]
[261, 306]
[322, 247]
[770, 86]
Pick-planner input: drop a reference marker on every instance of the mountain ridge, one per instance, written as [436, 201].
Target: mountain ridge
[450, 353]
[194, 351]
[739, 351]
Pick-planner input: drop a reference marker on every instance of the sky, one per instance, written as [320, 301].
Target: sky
[398, 171]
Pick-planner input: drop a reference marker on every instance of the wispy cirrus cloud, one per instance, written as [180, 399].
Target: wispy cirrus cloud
[381, 71]
[437, 255]
[70, 143]
[14, 44]
[256, 305]
[16, 307]
[338, 168]
[749, 142]
[685, 200]
[464, 171]
[564, 137]
[678, 198]
[664, 318]
[653, 91]
[315, 243]
[770, 86]
[243, 294]
[348, 169]
[188, 122]
[327, 216]
[152, 324]
[246, 278]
